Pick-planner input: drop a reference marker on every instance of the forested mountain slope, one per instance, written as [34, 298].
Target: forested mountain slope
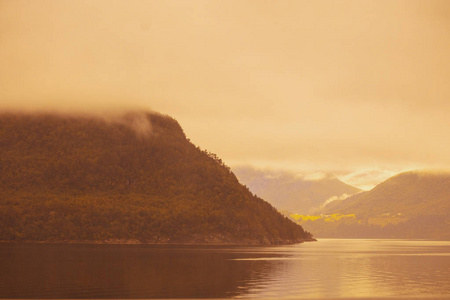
[128, 177]
[413, 204]
[409, 194]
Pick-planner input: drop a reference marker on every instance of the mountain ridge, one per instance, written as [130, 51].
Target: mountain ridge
[291, 192]
[129, 177]
[414, 204]
[425, 187]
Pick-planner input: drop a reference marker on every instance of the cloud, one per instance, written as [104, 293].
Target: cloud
[138, 121]
[315, 176]
[334, 198]
[369, 178]
[307, 86]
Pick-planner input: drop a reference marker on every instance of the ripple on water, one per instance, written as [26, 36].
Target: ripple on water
[328, 268]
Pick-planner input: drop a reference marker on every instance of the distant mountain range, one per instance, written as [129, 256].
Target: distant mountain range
[293, 193]
[408, 194]
[409, 205]
[128, 178]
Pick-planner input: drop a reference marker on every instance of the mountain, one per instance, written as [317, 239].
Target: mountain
[133, 177]
[409, 205]
[295, 194]
[409, 194]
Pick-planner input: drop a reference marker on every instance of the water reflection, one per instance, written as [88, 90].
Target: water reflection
[360, 268]
[328, 268]
[106, 271]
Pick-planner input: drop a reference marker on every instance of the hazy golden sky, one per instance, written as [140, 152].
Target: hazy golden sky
[358, 88]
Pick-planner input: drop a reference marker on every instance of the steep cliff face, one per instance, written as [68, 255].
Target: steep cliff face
[129, 177]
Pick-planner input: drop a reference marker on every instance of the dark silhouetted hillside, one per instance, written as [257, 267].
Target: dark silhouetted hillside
[133, 177]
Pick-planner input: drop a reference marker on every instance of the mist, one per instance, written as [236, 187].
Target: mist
[344, 87]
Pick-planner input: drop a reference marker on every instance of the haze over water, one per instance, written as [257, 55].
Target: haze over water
[325, 269]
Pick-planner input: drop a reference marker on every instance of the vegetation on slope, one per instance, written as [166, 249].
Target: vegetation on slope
[408, 205]
[130, 177]
[410, 193]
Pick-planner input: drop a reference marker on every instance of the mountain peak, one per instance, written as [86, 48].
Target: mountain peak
[293, 192]
[411, 193]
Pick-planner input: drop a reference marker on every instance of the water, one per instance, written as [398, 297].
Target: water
[325, 269]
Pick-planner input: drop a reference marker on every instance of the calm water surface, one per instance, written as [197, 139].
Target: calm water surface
[328, 268]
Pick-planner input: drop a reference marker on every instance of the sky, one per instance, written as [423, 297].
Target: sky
[359, 89]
